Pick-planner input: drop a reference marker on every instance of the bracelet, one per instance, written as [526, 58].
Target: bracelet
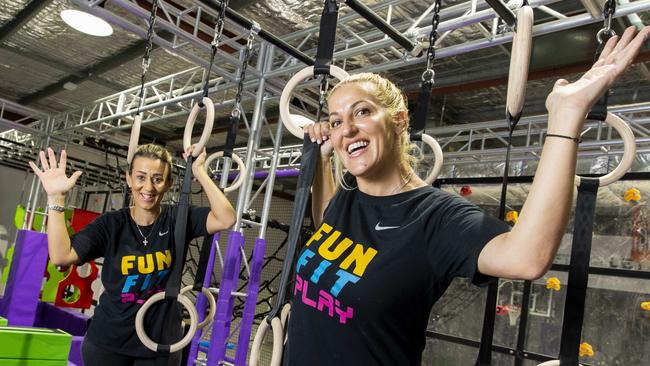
[574, 139]
[56, 208]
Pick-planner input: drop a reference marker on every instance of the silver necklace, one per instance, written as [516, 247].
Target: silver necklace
[405, 181]
[145, 239]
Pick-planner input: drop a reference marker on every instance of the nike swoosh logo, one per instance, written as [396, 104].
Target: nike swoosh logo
[160, 233]
[380, 228]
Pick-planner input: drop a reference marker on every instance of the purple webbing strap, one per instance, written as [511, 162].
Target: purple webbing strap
[251, 302]
[201, 303]
[225, 301]
[25, 278]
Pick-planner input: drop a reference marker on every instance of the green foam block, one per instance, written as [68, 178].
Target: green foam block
[20, 362]
[34, 344]
[3, 322]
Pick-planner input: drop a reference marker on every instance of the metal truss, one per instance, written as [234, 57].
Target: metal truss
[191, 33]
[486, 142]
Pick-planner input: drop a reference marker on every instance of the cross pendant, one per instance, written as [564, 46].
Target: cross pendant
[145, 242]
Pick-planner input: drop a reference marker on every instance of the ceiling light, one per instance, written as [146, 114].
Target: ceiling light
[86, 23]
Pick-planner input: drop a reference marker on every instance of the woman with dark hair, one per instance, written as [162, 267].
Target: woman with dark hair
[136, 243]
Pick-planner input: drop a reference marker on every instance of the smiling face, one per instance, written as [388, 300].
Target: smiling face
[363, 133]
[148, 179]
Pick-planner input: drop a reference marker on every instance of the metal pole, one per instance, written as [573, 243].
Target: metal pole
[245, 189]
[381, 24]
[246, 23]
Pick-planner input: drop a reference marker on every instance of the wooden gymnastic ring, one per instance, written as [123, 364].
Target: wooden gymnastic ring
[629, 151]
[213, 305]
[242, 169]
[276, 356]
[522, 44]
[295, 123]
[207, 128]
[135, 137]
[142, 333]
[437, 154]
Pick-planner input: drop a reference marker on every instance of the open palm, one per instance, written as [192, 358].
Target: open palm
[53, 177]
[580, 96]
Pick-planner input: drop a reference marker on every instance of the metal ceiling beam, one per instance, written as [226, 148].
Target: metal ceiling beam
[130, 53]
[43, 60]
[22, 18]
[267, 36]
[594, 7]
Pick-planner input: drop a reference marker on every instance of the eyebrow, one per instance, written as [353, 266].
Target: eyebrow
[145, 173]
[351, 107]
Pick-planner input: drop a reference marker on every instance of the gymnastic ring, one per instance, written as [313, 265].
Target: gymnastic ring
[242, 169]
[276, 356]
[284, 318]
[135, 137]
[437, 154]
[629, 151]
[207, 128]
[290, 121]
[522, 44]
[213, 305]
[551, 363]
[284, 314]
[142, 334]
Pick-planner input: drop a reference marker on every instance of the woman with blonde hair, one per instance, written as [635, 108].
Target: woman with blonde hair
[387, 245]
[137, 245]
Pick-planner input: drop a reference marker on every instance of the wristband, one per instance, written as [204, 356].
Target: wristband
[56, 208]
[574, 139]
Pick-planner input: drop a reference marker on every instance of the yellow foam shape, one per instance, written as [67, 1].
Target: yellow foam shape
[632, 194]
[512, 216]
[586, 350]
[553, 283]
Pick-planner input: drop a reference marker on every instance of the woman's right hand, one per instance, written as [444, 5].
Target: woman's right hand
[320, 133]
[53, 177]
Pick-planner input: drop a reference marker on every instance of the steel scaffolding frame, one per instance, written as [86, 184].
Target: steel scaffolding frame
[174, 95]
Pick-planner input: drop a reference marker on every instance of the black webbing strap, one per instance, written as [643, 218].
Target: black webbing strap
[326, 37]
[574, 306]
[421, 111]
[308, 163]
[232, 134]
[173, 286]
[489, 317]
[202, 266]
[422, 108]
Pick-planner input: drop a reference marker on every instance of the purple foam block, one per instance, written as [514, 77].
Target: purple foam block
[75, 351]
[251, 302]
[201, 303]
[25, 278]
[68, 320]
[223, 316]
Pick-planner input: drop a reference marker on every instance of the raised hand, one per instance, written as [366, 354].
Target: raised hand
[53, 177]
[578, 97]
[198, 162]
[320, 133]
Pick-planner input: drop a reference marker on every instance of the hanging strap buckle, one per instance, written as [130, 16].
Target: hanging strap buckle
[428, 76]
[608, 14]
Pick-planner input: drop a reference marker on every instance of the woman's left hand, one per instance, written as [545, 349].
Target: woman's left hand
[198, 164]
[577, 98]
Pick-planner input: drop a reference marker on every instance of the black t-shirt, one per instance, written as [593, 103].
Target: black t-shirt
[367, 279]
[131, 273]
